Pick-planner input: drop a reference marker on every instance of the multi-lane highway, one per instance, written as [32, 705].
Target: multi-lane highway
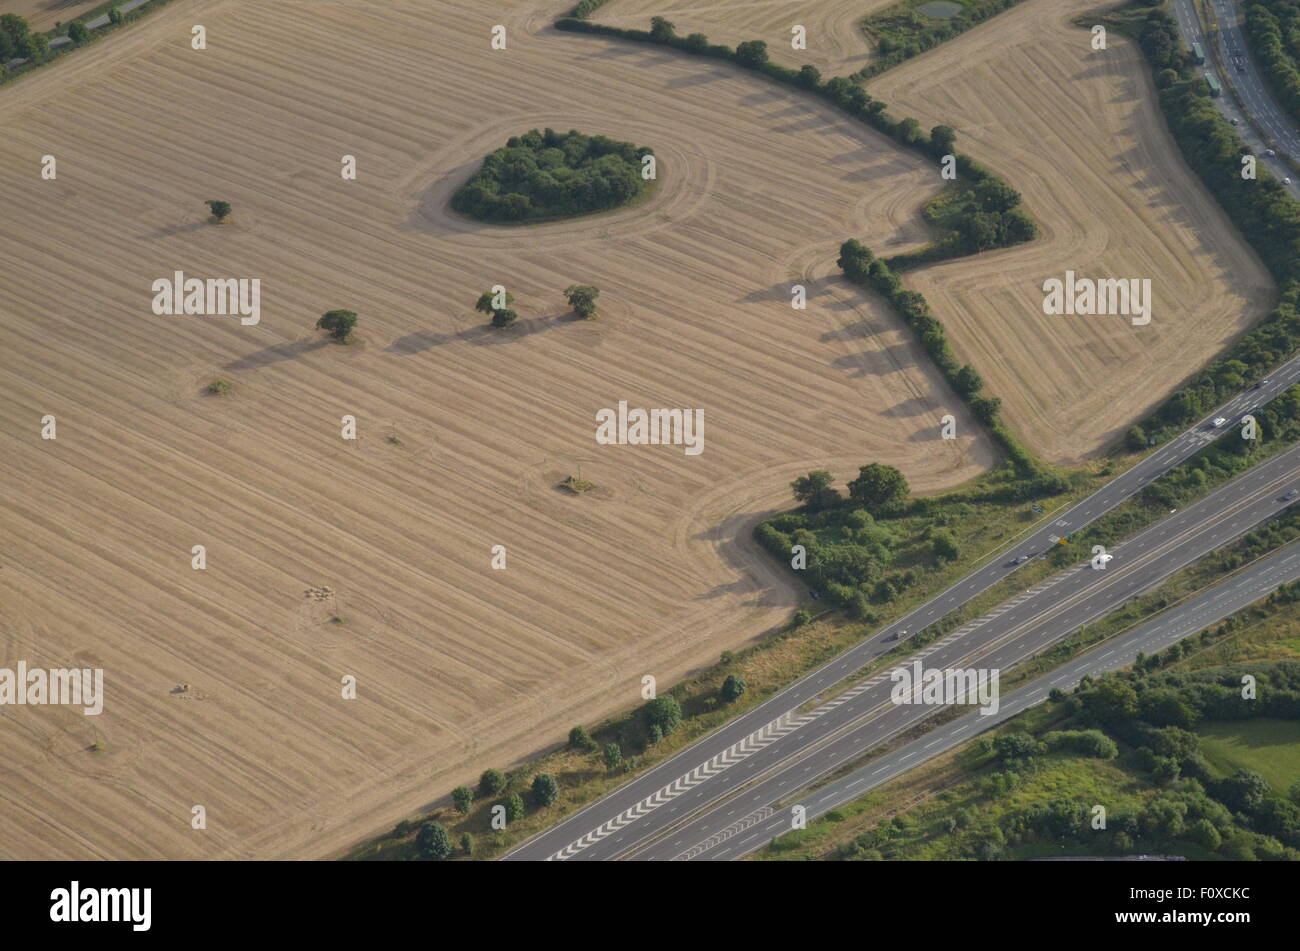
[865, 717]
[1257, 581]
[649, 804]
[1261, 111]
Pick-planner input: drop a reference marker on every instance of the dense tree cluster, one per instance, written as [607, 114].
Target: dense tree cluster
[1238, 816]
[550, 174]
[1273, 31]
[17, 41]
[862, 267]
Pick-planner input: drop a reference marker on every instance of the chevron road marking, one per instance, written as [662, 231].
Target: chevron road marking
[771, 732]
[719, 837]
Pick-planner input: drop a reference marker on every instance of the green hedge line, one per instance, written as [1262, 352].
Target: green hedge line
[1273, 32]
[901, 32]
[864, 269]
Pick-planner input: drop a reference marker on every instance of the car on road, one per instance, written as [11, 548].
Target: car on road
[1018, 560]
[1294, 493]
[1240, 68]
[1270, 153]
[1233, 121]
[1286, 181]
[1261, 383]
[897, 635]
[1219, 421]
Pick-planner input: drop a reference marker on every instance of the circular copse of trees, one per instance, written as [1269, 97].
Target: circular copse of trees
[545, 175]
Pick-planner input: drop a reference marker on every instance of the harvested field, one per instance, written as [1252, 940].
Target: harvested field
[459, 667]
[1080, 134]
[836, 44]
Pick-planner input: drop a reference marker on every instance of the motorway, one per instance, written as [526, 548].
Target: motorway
[865, 717]
[1257, 581]
[1264, 112]
[650, 803]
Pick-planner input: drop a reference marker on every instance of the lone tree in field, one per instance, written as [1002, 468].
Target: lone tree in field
[220, 209]
[497, 305]
[582, 298]
[339, 323]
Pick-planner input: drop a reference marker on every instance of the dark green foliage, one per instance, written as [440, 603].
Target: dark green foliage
[1082, 742]
[550, 174]
[733, 688]
[663, 712]
[514, 806]
[115, 16]
[491, 783]
[661, 30]
[545, 790]
[580, 739]
[1273, 32]
[462, 797]
[78, 32]
[503, 318]
[814, 490]
[432, 842]
[220, 209]
[878, 485]
[582, 298]
[751, 53]
[810, 77]
[611, 755]
[901, 32]
[945, 546]
[339, 323]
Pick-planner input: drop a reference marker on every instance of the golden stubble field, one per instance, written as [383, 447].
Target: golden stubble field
[459, 667]
[1080, 134]
[835, 43]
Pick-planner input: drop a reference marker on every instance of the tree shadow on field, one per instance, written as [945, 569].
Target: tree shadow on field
[696, 79]
[481, 335]
[652, 60]
[874, 362]
[171, 230]
[926, 434]
[781, 292]
[916, 406]
[817, 121]
[882, 167]
[858, 330]
[740, 555]
[276, 354]
[614, 51]
[793, 109]
[760, 97]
